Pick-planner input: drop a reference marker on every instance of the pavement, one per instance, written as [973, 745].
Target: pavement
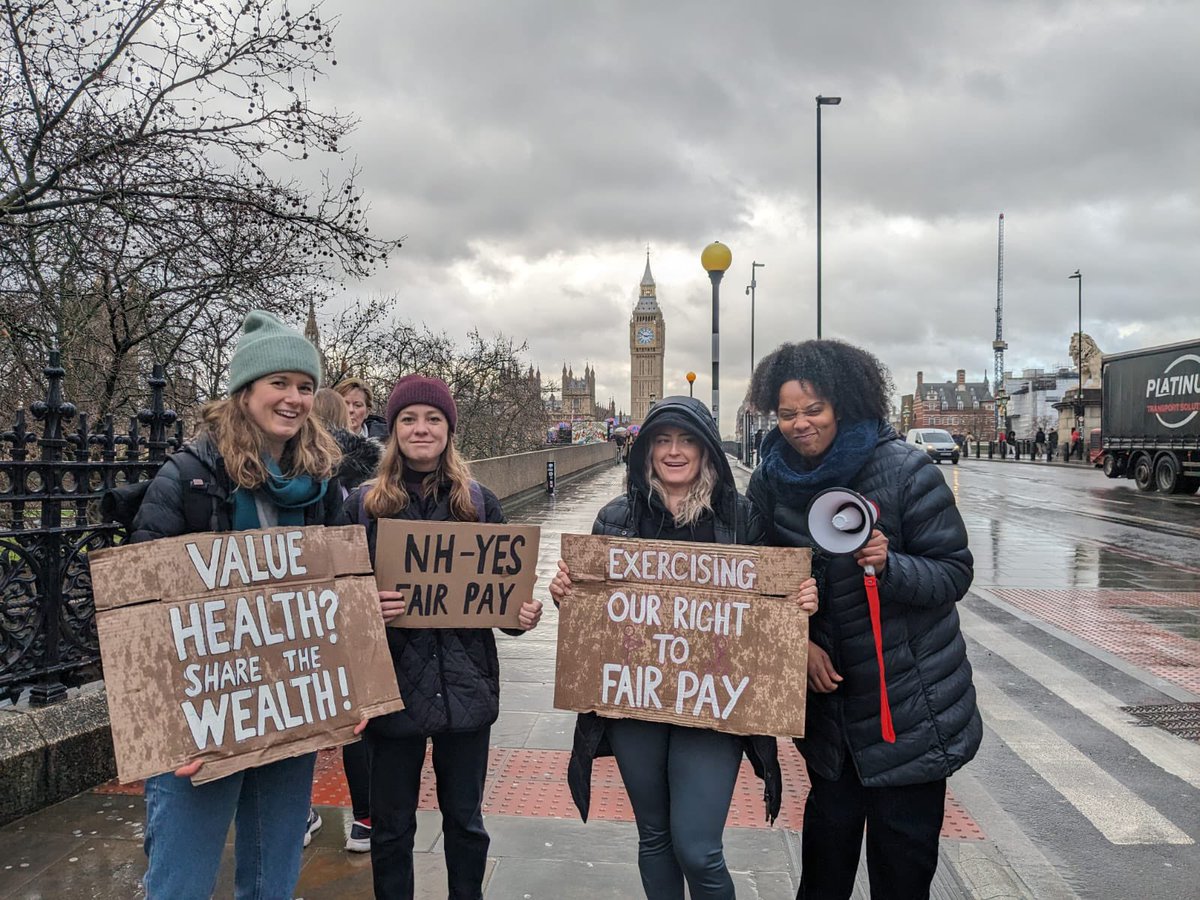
[1076, 614]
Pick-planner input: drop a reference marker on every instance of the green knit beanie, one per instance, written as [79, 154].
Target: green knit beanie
[267, 346]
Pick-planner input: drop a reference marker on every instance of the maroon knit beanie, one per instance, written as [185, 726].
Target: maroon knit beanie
[418, 389]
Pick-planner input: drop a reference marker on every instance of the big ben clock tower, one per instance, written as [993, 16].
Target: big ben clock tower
[647, 343]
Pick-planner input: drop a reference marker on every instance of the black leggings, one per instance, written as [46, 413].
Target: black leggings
[680, 782]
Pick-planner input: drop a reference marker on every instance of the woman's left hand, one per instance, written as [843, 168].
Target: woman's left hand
[530, 614]
[874, 553]
[806, 598]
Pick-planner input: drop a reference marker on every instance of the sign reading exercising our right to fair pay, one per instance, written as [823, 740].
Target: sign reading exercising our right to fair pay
[693, 634]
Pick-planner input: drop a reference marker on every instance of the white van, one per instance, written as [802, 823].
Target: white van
[936, 442]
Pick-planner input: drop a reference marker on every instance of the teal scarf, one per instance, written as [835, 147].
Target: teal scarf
[289, 496]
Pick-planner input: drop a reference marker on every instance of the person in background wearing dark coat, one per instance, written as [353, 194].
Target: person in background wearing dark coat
[360, 459]
[449, 678]
[359, 404]
[269, 464]
[758, 437]
[1039, 443]
[832, 401]
[680, 779]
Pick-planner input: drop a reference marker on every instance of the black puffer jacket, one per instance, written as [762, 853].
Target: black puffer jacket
[449, 677]
[735, 522]
[163, 512]
[929, 569]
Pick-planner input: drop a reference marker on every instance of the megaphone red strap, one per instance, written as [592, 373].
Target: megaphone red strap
[885, 708]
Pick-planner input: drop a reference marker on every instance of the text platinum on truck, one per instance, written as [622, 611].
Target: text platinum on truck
[1150, 417]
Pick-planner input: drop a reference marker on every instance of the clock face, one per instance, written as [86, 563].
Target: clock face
[645, 335]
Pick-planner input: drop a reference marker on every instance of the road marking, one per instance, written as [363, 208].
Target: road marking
[1171, 754]
[1115, 811]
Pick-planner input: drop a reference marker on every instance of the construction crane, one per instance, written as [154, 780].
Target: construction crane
[999, 345]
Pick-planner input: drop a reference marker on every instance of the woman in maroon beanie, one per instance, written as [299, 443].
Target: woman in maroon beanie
[449, 677]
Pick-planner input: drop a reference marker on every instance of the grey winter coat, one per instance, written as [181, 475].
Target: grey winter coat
[929, 568]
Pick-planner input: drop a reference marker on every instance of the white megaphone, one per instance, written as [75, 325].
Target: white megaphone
[840, 522]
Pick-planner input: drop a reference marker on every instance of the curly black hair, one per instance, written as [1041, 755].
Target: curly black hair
[854, 381]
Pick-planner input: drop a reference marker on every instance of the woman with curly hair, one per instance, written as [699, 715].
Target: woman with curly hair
[680, 779]
[832, 401]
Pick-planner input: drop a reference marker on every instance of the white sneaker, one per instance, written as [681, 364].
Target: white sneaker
[313, 826]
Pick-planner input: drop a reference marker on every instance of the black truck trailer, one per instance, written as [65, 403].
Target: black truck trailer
[1150, 417]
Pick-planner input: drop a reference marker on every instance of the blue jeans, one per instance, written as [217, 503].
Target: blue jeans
[186, 828]
[680, 782]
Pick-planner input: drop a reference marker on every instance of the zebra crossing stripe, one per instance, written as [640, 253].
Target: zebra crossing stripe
[1172, 755]
[1115, 811]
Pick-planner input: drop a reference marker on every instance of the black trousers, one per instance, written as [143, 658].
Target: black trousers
[460, 766]
[903, 825]
[358, 777]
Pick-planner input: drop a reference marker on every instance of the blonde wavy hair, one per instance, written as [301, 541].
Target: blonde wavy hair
[241, 443]
[699, 497]
[386, 495]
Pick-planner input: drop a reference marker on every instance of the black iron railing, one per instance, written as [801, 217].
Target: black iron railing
[50, 485]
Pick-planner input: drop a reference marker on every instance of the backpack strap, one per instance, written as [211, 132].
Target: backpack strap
[478, 501]
[202, 494]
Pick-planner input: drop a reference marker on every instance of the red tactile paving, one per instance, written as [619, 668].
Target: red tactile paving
[524, 782]
[1100, 618]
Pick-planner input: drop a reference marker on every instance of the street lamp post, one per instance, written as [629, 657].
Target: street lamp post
[750, 288]
[1079, 359]
[716, 258]
[821, 101]
[691, 380]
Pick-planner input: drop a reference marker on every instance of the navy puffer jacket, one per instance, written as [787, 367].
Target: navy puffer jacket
[735, 521]
[449, 678]
[929, 568]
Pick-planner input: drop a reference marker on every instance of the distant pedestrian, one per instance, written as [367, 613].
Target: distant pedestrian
[1039, 442]
[1076, 444]
[1053, 443]
[1003, 445]
[758, 438]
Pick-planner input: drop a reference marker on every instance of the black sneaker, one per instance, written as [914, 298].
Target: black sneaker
[359, 838]
[313, 826]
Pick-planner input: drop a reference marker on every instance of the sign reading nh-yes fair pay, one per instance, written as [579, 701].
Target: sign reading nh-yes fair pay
[457, 574]
[239, 648]
[692, 634]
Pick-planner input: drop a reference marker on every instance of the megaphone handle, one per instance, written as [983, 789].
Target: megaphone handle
[885, 708]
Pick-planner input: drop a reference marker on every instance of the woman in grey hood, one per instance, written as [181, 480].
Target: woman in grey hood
[680, 779]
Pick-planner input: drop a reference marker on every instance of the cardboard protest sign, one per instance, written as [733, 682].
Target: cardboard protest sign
[692, 634]
[239, 648]
[457, 574]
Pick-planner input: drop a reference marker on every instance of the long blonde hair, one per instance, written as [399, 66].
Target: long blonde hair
[330, 409]
[385, 495]
[241, 443]
[699, 497]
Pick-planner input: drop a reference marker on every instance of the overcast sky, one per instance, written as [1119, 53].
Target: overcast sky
[531, 151]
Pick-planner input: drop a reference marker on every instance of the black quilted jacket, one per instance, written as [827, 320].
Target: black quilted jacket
[929, 568]
[736, 522]
[449, 677]
[161, 513]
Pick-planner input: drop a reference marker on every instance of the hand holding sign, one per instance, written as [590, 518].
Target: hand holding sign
[391, 604]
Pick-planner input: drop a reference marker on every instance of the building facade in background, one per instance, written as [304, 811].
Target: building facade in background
[959, 406]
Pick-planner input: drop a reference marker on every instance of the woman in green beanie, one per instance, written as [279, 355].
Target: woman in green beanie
[259, 461]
